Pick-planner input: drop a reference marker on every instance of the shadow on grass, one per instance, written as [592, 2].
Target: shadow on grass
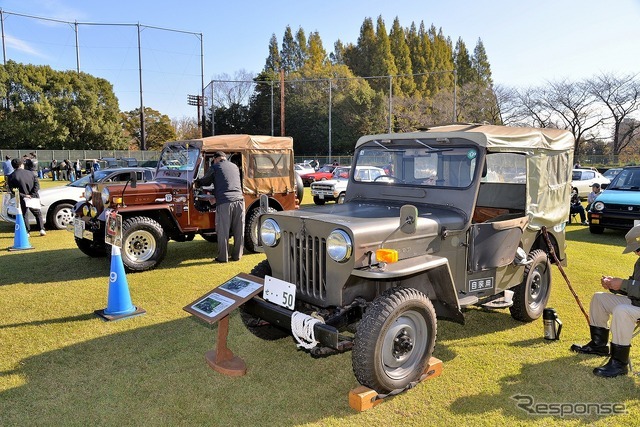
[580, 233]
[540, 387]
[157, 375]
[57, 265]
[81, 317]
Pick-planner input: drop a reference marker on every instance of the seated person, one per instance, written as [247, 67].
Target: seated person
[592, 196]
[622, 304]
[577, 208]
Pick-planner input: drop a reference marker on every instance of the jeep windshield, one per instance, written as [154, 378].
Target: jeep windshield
[178, 157]
[421, 163]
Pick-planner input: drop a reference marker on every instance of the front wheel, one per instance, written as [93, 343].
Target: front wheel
[258, 327]
[318, 201]
[530, 297]
[596, 229]
[91, 248]
[252, 229]
[394, 340]
[144, 244]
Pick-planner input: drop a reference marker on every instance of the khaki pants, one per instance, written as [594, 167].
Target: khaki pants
[623, 314]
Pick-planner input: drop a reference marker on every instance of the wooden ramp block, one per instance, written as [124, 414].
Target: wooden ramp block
[362, 398]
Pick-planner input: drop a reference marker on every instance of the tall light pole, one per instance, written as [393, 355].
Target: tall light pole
[196, 100]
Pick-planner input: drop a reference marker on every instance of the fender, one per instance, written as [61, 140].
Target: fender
[434, 279]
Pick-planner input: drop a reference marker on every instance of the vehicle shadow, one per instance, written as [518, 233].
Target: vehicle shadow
[580, 233]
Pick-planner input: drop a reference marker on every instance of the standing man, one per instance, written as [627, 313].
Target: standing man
[28, 187]
[7, 169]
[225, 177]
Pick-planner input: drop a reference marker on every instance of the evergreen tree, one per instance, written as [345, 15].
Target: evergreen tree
[404, 83]
[273, 60]
[481, 65]
[289, 52]
[360, 57]
[382, 61]
[337, 56]
[316, 55]
[301, 52]
[466, 72]
[418, 51]
[441, 62]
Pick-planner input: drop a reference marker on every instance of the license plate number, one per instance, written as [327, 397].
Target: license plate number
[321, 196]
[78, 228]
[279, 292]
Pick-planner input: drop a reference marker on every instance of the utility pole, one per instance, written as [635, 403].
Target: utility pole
[143, 143]
[282, 102]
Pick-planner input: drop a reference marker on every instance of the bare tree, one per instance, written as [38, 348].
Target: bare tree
[532, 111]
[186, 128]
[620, 95]
[236, 90]
[573, 108]
[507, 104]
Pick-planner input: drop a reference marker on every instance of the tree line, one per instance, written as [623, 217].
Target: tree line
[415, 66]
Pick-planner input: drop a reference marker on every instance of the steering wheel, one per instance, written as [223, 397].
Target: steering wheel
[391, 178]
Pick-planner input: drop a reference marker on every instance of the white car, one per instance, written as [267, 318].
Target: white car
[57, 202]
[583, 179]
[336, 188]
[303, 168]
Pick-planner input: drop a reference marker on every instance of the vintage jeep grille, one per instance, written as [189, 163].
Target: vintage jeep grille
[306, 264]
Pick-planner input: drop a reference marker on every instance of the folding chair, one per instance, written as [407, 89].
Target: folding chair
[636, 331]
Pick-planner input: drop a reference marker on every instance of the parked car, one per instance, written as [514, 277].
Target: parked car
[583, 179]
[375, 274]
[618, 207]
[303, 168]
[171, 207]
[324, 173]
[335, 189]
[58, 202]
[611, 173]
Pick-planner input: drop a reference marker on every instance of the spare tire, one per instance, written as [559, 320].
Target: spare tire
[299, 188]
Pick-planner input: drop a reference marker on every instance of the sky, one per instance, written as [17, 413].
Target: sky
[528, 43]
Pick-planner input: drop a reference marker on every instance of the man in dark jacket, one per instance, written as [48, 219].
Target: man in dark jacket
[622, 304]
[28, 187]
[225, 177]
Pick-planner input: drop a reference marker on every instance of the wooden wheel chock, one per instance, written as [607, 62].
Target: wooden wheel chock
[362, 398]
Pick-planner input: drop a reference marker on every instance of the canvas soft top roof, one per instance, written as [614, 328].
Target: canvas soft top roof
[244, 142]
[495, 138]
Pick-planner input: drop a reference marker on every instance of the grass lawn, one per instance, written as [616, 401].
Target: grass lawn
[61, 365]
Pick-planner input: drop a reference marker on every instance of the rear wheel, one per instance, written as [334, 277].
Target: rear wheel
[144, 245]
[394, 340]
[531, 296]
[258, 327]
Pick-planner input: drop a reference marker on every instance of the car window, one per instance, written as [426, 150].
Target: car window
[588, 175]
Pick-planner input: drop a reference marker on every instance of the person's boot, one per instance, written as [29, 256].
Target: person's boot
[598, 343]
[618, 364]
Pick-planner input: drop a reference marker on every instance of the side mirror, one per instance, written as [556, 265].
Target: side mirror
[408, 219]
[134, 179]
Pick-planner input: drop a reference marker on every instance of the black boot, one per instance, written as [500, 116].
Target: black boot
[617, 365]
[598, 343]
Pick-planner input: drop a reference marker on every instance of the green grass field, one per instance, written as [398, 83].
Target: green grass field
[61, 365]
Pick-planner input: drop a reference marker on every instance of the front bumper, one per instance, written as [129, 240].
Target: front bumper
[326, 335]
[617, 220]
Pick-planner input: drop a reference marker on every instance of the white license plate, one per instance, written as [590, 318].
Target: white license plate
[78, 227]
[321, 196]
[279, 292]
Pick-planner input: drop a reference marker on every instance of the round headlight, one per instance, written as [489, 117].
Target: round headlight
[339, 246]
[598, 206]
[85, 210]
[88, 192]
[105, 196]
[270, 232]
[94, 212]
